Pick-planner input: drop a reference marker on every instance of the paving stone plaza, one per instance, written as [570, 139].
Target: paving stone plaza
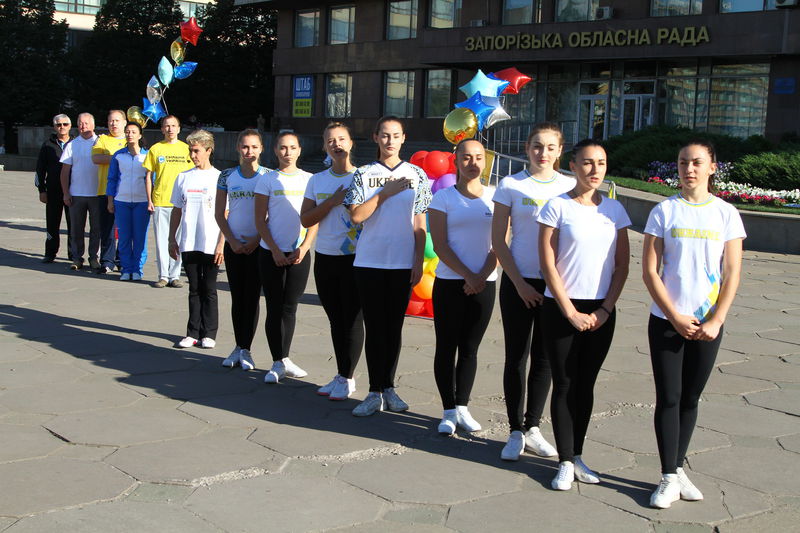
[105, 427]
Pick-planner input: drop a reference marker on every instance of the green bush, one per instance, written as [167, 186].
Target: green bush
[770, 170]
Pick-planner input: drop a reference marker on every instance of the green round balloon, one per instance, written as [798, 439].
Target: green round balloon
[429, 253]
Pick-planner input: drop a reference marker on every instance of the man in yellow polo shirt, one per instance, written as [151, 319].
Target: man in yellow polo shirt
[102, 151]
[164, 162]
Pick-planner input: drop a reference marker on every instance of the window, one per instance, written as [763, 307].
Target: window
[87, 7]
[437, 93]
[306, 28]
[738, 106]
[399, 94]
[338, 93]
[402, 20]
[673, 8]
[445, 13]
[576, 10]
[736, 6]
[521, 11]
[342, 24]
[192, 9]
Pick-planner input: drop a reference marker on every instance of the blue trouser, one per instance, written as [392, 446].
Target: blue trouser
[108, 244]
[132, 218]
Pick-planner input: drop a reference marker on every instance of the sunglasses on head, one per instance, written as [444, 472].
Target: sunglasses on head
[59, 124]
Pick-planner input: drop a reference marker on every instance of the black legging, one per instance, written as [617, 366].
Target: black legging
[283, 287]
[575, 359]
[203, 313]
[680, 369]
[522, 331]
[384, 297]
[337, 292]
[460, 321]
[244, 281]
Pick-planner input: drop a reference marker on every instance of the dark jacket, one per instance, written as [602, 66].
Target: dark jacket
[48, 169]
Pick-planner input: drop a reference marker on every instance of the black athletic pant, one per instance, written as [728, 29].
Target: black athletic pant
[337, 292]
[522, 331]
[384, 297]
[80, 208]
[203, 314]
[54, 210]
[460, 321]
[283, 286]
[108, 241]
[681, 369]
[244, 281]
[575, 359]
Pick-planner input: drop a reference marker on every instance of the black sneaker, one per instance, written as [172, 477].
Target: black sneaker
[76, 265]
[48, 259]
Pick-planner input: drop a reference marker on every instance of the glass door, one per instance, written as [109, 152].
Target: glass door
[637, 112]
[592, 123]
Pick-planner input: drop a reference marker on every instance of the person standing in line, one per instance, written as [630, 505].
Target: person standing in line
[165, 160]
[235, 217]
[193, 199]
[283, 261]
[518, 201]
[390, 198]
[691, 266]
[104, 148]
[48, 182]
[127, 200]
[584, 254]
[464, 289]
[333, 261]
[79, 185]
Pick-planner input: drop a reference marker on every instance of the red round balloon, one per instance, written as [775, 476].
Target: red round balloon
[429, 308]
[436, 163]
[415, 306]
[452, 168]
[516, 79]
[418, 158]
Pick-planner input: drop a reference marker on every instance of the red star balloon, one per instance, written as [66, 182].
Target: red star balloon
[516, 79]
[190, 31]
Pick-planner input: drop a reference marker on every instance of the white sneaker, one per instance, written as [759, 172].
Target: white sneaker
[124, 277]
[536, 443]
[276, 373]
[514, 447]
[233, 359]
[343, 389]
[207, 342]
[187, 342]
[393, 401]
[448, 424]
[246, 360]
[371, 405]
[565, 476]
[465, 420]
[292, 370]
[668, 491]
[136, 277]
[689, 492]
[583, 473]
[325, 390]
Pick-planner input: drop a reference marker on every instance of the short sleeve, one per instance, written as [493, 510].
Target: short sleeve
[222, 181]
[502, 195]
[622, 220]
[551, 214]
[177, 198]
[99, 147]
[66, 155]
[355, 194]
[309, 194]
[734, 227]
[264, 185]
[150, 161]
[439, 202]
[423, 195]
[655, 222]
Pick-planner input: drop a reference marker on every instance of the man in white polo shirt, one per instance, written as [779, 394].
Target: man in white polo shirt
[79, 183]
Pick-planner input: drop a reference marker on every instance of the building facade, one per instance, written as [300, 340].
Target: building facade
[599, 67]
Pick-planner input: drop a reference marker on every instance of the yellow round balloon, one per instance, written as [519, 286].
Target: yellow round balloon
[134, 114]
[459, 124]
[430, 265]
[177, 50]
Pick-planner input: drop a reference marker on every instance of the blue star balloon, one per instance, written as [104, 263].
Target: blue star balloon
[153, 110]
[165, 71]
[185, 69]
[483, 84]
[481, 109]
[502, 87]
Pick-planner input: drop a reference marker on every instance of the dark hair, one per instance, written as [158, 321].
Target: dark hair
[458, 147]
[584, 144]
[142, 143]
[283, 134]
[547, 126]
[334, 125]
[383, 120]
[712, 152]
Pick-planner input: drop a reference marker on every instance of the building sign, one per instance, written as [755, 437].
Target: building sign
[685, 36]
[302, 95]
[784, 86]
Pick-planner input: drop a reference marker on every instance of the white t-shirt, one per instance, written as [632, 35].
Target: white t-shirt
[469, 229]
[587, 242]
[285, 193]
[337, 235]
[387, 240]
[83, 178]
[195, 192]
[241, 200]
[526, 196]
[694, 241]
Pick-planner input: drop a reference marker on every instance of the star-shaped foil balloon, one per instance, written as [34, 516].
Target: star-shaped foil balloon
[516, 79]
[481, 109]
[190, 31]
[483, 84]
[153, 110]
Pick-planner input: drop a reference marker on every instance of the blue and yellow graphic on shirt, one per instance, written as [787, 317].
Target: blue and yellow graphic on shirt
[538, 202]
[348, 246]
[695, 233]
[708, 306]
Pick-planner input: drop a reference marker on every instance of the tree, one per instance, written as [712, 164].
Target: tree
[31, 64]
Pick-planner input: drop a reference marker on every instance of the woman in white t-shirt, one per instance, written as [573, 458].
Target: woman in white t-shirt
[518, 200]
[390, 197]
[695, 240]
[234, 212]
[463, 292]
[200, 247]
[283, 261]
[584, 254]
[333, 262]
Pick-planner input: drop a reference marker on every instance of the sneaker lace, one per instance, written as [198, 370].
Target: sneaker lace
[562, 474]
[662, 487]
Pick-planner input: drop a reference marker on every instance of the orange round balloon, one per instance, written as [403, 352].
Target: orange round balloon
[424, 289]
